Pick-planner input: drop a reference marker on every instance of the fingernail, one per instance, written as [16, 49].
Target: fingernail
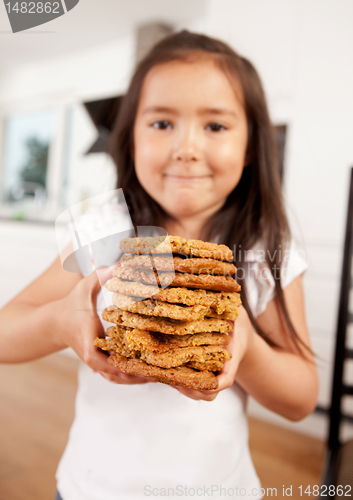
[100, 373]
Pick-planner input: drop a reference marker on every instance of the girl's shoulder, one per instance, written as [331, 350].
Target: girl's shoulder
[259, 279]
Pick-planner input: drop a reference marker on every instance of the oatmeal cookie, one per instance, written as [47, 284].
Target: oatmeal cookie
[159, 342]
[212, 365]
[152, 307]
[191, 265]
[231, 316]
[181, 376]
[176, 244]
[220, 301]
[125, 273]
[203, 281]
[135, 289]
[169, 359]
[164, 325]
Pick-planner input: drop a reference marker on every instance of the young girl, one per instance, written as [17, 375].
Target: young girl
[195, 153]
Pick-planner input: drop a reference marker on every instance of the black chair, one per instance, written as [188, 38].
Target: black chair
[339, 459]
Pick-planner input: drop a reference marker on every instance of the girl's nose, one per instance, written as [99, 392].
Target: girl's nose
[187, 148]
[185, 155]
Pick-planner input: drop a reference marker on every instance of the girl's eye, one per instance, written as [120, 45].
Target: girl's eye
[162, 125]
[215, 127]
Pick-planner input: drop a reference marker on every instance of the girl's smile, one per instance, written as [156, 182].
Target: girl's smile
[190, 137]
[186, 178]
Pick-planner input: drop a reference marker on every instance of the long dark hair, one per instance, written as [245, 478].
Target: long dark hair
[254, 209]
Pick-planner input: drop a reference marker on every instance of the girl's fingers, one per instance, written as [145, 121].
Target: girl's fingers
[197, 395]
[96, 280]
[225, 380]
[103, 275]
[97, 360]
[99, 363]
[124, 378]
[227, 376]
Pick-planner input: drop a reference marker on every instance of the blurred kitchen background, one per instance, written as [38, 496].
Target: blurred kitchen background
[303, 52]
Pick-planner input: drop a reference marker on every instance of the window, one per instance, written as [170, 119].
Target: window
[27, 141]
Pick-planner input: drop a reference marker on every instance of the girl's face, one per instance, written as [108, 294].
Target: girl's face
[190, 137]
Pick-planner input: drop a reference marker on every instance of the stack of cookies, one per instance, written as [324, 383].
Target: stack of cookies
[174, 304]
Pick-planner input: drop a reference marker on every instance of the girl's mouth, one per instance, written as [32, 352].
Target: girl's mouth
[187, 178]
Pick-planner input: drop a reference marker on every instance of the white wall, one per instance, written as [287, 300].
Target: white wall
[302, 50]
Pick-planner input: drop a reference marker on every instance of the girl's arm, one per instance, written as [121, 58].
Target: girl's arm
[279, 378]
[30, 322]
[57, 311]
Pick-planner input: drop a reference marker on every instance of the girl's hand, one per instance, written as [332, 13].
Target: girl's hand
[238, 346]
[80, 325]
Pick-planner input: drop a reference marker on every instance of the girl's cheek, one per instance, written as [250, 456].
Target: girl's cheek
[154, 149]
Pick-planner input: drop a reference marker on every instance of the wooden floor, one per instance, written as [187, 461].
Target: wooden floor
[36, 411]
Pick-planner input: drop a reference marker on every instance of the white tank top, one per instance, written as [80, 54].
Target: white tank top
[131, 442]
